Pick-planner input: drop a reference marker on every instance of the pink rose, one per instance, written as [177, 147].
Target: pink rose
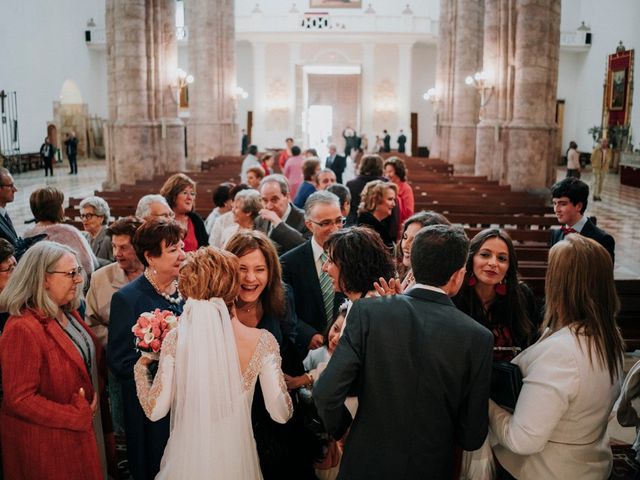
[143, 322]
[143, 344]
[155, 345]
[155, 331]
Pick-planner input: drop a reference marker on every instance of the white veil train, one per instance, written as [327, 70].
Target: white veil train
[211, 434]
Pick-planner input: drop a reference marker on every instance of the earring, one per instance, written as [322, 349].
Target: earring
[501, 288]
[472, 280]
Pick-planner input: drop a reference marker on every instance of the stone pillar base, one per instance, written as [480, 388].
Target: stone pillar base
[206, 140]
[139, 150]
[490, 157]
[462, 148]
[530, 157]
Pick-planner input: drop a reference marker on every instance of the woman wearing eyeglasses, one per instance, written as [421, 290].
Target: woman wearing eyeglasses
[54, 406]
[94, 214]
[46, 206]
[180, 192]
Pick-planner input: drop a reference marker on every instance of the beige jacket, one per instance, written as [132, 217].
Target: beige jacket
[558, 429]
[104, 283]
[601, 159]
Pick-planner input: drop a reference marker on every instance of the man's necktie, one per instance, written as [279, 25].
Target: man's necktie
[567, 230]
[9, 223]
[327, 290]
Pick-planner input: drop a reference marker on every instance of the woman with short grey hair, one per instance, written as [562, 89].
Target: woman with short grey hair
[246, 208]
[94, 214]
[51, 366]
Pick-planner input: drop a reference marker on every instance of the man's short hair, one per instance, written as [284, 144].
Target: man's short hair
[253, 149]
[222, 194]
[321, 197]
[575, 190]
[341, 192]
[438, 251]
[295, 150]
[281, 180]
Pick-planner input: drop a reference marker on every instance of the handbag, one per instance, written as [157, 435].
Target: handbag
[506, 383]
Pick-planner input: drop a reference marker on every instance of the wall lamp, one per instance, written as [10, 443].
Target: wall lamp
[480, 82]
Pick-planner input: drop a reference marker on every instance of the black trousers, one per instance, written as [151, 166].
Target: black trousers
[48, 166]
[73, 164]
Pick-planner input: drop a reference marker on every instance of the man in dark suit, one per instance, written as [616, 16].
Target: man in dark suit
[402, 140]
[421, 370]
[336, 162]
[7, 193]
[316, 302]
[386, 141]
[280, 219]
[570, 197]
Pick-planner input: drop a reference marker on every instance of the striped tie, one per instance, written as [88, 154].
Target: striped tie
[327, 290]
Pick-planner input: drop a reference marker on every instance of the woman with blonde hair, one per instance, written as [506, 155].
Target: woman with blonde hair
[208, 369]
[571, 374]
[376, 209]
[180, 193]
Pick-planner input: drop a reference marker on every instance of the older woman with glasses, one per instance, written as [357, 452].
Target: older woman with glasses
[94, 214]
[46, 206]
[53, 410]
[180, 192]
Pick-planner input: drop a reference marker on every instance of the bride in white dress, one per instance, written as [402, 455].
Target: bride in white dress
[207, 373]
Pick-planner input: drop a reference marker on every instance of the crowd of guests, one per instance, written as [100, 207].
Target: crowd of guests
[373, 311]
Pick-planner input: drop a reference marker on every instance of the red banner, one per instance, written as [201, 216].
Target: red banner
[617, 94]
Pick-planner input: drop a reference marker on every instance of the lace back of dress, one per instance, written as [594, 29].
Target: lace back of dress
[211, 434]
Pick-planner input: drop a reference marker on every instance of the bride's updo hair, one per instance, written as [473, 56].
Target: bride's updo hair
[210, 272]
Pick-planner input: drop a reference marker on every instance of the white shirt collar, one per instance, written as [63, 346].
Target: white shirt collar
[3, 210]
[317, 249]
[580, 224]
[286, 212]
[428, 287]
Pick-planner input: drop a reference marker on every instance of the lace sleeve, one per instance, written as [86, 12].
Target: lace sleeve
[155, 394]
[274, 390]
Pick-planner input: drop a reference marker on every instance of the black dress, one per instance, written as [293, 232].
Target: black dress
[383, 227]
[289, 450]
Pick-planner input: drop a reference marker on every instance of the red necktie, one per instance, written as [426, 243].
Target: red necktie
[567, 230]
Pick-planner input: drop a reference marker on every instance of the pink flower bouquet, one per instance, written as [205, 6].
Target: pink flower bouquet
[150, 330]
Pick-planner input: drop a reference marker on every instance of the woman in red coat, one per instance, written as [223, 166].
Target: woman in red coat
[50, 417]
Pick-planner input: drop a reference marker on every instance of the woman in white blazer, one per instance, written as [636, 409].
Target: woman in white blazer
[571, 375]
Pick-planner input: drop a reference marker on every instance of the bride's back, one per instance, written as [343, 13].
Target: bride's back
[246, 342]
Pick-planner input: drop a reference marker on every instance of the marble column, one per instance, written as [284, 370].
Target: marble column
[499, 21]
[144, 135]
[459, 55]
[211, 129]
[367, 92]
[531, 133]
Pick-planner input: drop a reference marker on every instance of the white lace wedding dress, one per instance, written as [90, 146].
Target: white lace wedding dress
[200, 381]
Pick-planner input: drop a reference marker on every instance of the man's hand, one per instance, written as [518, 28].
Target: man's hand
[271, 217]
[316, 341]
[392, 287]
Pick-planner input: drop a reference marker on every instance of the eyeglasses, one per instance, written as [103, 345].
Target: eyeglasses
[188, 193]
[72, 274]
[88, 216]
[9, 269]
[339, 222]
[11, 185]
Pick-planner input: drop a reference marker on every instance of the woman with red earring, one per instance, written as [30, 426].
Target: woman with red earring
[493, 295]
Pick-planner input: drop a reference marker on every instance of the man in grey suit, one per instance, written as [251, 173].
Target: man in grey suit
[280, 219]
[420, 368]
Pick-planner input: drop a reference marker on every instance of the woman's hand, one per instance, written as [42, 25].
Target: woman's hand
[94, 402]
[145, 361]
[296, 382]
[392, 287]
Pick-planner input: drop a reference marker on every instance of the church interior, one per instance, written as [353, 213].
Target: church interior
[488, 94]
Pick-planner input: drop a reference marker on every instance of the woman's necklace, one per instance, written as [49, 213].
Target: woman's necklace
[166, 296]
[247, 307]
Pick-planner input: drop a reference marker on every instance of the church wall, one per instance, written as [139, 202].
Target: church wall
[381, 7]
[42, 46]
[582, 75]
[424, 78]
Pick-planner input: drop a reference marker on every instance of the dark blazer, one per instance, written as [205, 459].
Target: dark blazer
[198, 226]
[8, 232]
[338, 164]
[288, 234]
[387, 142]
[590, 231]
[421, 370]
[146, 440]
[299, 271]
